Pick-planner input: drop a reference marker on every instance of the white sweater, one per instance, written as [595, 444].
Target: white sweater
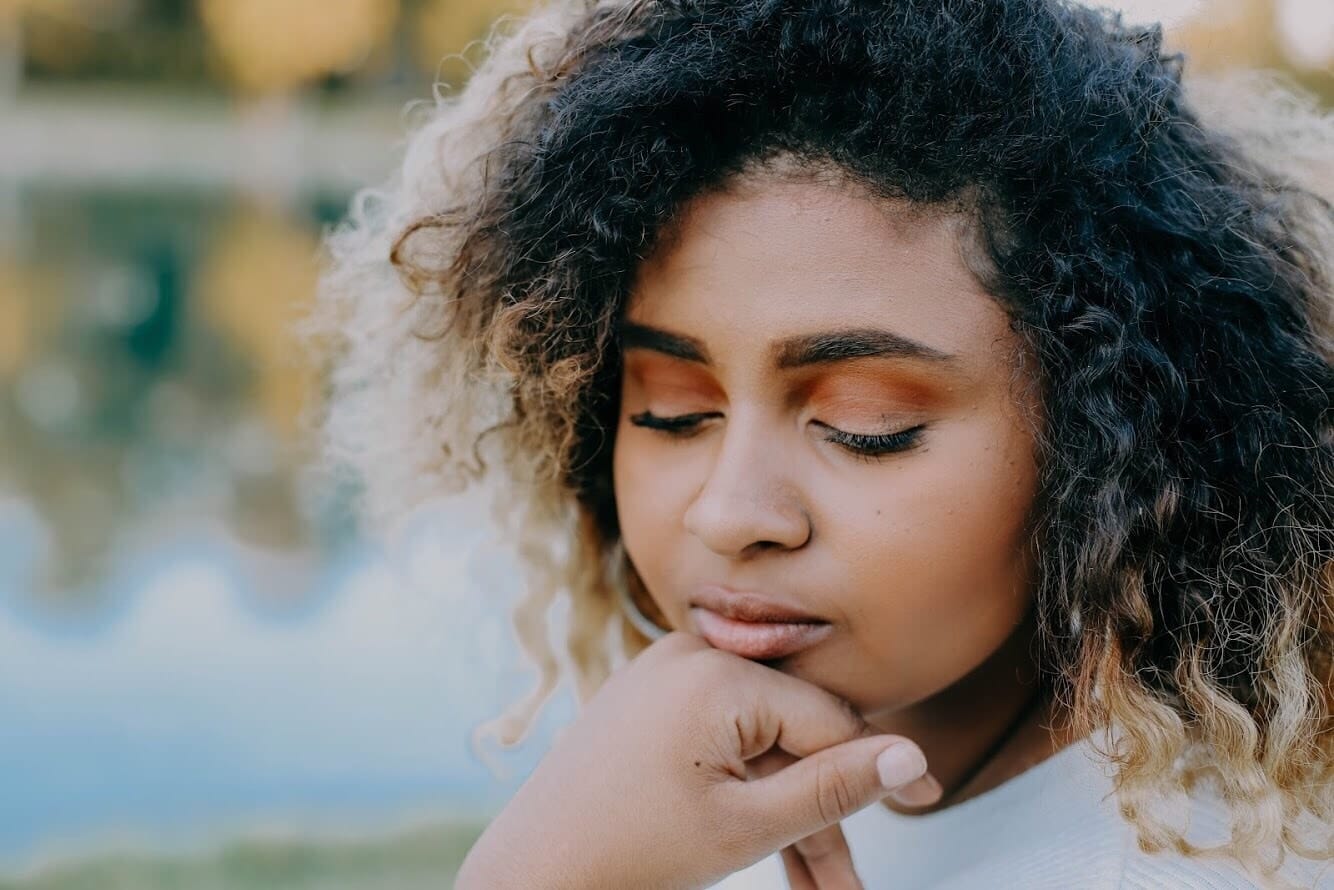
[1053, 827]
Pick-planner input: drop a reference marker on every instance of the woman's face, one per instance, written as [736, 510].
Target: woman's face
[806, 328]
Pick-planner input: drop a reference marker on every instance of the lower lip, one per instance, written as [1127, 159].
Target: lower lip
[756, 639]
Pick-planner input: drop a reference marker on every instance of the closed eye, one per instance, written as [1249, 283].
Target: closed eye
[861, 444]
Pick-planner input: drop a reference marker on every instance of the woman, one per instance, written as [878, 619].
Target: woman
[926, 372]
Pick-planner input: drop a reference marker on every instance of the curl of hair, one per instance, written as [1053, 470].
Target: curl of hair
[1164, 250]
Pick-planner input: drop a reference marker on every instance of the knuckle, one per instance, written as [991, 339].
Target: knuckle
[701, 669]
[674, 645]
[853, 716]
[714, 696]
[712, 669]
[834, 797]
[686, 642]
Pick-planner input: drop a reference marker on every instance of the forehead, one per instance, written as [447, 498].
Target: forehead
[767, 259]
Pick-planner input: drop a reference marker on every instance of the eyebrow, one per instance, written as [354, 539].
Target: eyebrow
[825, 347]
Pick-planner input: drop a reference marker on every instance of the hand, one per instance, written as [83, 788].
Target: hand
[649, 786]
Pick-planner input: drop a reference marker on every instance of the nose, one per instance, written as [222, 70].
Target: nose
[748, 501]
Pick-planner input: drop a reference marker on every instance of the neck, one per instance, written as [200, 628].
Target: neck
[1001, 749]
[985, 729]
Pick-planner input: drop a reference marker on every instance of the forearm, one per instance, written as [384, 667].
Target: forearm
[526, 865]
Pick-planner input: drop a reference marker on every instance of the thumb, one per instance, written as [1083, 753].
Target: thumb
[826, 787]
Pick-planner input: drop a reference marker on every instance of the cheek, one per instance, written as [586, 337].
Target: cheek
[626, 482]
[940, 546]
[646, 490]
[651, 488]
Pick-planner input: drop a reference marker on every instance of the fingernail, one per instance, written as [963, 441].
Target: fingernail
[899, 764]
[920, 793]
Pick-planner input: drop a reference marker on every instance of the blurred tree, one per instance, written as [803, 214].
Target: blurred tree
[443, 29]
[275, 47]
[148, 379]
[10, 10]
[258, 278]
[16, 321]
[112, 40]
[1232, 34]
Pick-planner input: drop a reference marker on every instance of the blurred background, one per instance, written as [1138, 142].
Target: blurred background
[207, 679]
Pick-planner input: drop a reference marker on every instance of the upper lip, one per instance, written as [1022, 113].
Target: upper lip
[750, 606]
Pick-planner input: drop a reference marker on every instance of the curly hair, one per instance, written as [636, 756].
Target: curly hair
[1164, 257]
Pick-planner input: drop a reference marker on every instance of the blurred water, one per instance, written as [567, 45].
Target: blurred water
[191, 708]
[195, 644]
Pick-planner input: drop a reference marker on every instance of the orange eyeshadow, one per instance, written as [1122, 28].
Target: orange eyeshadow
[669, 377]
[871, 390]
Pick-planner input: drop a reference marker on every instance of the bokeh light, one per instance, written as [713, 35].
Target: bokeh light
[257, 279]
[275, 46]
[447, 34]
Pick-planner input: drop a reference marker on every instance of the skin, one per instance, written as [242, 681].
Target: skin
[920, 558]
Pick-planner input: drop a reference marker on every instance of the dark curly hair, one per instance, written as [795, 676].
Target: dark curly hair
[1171, 283]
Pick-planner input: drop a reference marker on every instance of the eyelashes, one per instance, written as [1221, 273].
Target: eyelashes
[874, 446]
[679, 424]
[859, 444]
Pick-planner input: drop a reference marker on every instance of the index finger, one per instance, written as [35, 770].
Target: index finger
[797, 716]
[828, 865]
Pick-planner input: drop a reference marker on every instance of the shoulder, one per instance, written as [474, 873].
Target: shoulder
[1210, 826]
[1069, 833]
[1095, 865]
[1106, 857]
[1144, 871]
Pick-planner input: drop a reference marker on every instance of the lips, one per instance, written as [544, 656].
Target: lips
[754, 625]
[757, 639]
[745, 606]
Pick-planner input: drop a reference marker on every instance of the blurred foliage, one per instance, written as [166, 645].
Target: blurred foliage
[252, 45]
[446, 34]
[268, 47]
[165, 382]
[425, 859]
[1228, 34]
[19, 307]
[256, 280]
